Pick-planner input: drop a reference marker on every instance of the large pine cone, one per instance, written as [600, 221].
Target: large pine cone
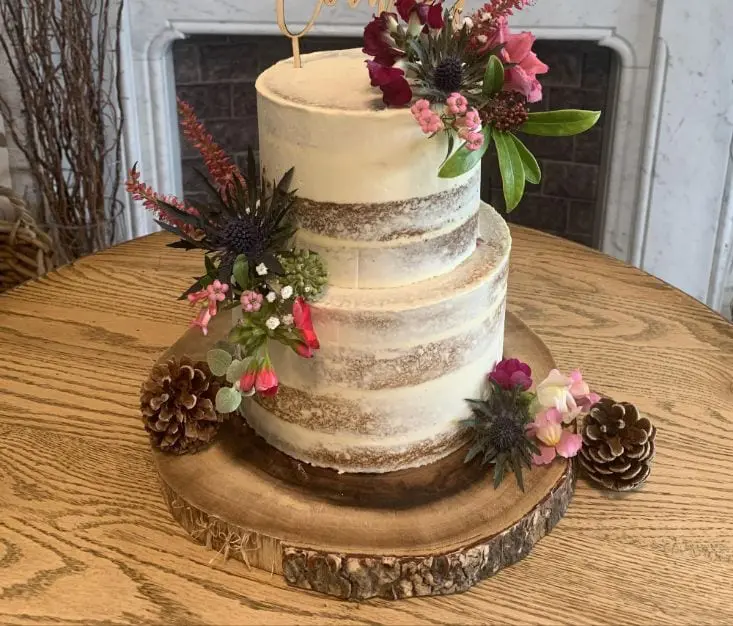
[177, 404]
[618, 445]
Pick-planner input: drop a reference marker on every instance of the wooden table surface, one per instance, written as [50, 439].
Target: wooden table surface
[86, 539]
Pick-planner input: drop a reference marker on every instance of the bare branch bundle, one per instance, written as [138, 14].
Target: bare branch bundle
[65, 57]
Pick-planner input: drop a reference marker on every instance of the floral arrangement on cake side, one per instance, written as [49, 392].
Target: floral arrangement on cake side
[471, 79]
[514, 427]
[250, 265]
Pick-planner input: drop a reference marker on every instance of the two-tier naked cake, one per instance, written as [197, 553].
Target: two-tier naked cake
[413, 316]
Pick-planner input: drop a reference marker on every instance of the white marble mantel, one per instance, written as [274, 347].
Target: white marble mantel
[668, 190]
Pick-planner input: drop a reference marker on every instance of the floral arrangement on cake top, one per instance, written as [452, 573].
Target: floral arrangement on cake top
[515, 427]
[249, 264]
[471, 79]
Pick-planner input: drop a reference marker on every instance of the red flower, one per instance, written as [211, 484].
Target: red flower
[428, 14]
[303, 322]
[266, 382]
[248, 380]
[396, 90]
[379, 43]
[511, 373]
[304, 350]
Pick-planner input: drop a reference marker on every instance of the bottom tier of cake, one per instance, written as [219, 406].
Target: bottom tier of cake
[387, 389]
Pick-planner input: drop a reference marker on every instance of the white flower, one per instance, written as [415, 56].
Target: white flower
[468, 23]
[308, 288]
[271, 296]
[272, 323]
[261, 269]
[288, 320]
[482, 38]
[286, 292]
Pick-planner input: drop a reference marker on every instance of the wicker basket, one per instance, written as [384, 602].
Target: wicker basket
[25, 251]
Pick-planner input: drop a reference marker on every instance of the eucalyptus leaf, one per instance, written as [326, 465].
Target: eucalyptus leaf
[236, 370]
[511, 168]
[493, 77]
[463, 159]
[563, 123]
[228, 400]
[532, 171]
[219, 361]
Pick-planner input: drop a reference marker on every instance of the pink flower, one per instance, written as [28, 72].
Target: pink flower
[209, 299]
[266, 382]
[396, 90]
[580, 391]
[553, 439]
[251, 301]
[472, 120]
[303, 322]
[457, 104]
[489, 33]
[430, 122]
[247, 381]
[511, 373]
[568, 394]
[522, 76]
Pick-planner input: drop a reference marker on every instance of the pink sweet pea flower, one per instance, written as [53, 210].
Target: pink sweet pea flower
[553, 439]
[580, 391]
[456, 104]
[522, 76]
[554, 393]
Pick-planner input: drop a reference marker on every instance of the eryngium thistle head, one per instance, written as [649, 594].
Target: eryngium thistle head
[449, 74]
[242, 237]
[505, 432]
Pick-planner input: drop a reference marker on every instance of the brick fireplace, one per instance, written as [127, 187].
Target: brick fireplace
[216, 75]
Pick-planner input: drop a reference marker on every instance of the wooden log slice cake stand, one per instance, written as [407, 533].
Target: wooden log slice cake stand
[434, 530]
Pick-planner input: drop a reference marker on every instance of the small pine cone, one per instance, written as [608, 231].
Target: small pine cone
[177, 403]
[506, 112]
[305, 272]
[618, 445]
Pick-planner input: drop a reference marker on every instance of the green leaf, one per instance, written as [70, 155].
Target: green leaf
[219, 361]
[532, 171]
[499, 468]
[475, 450]
[464, 160]
[493, 77]
[512, 169]
[210, 266]
[564, 123]
[241, 271]
[228, 400]
[236, 370]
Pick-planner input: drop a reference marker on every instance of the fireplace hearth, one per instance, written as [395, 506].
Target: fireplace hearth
[216, 75]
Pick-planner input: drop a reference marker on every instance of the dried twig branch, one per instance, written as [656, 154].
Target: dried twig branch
[65, 58]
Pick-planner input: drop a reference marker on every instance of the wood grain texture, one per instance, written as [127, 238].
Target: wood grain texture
[85, 537]
[432, 530]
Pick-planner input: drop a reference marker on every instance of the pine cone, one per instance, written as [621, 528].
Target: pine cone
[177, 403]
[618, 445]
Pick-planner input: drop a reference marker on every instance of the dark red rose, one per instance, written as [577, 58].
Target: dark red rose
[396, 90]
[511, 373]
[405, 8]
[303, 322]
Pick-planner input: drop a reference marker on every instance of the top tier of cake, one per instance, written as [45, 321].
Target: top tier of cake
[369, 198]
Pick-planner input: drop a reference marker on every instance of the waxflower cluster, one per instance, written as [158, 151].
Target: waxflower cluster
[470, 80]
[250, 266]
[515, 427]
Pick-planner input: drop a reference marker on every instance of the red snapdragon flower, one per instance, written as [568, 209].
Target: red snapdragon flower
[396, 91]
[303, 322]
[378, 41]
[429, 14]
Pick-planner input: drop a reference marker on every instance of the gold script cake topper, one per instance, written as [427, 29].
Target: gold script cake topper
[380, 5]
